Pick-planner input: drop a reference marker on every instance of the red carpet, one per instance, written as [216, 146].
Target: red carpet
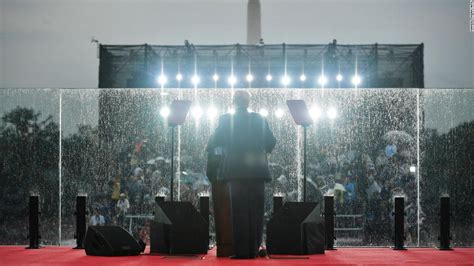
[17, 255]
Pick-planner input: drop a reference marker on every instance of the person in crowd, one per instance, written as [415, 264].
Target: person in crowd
[96, 218]
[122, 208]
[246, 139]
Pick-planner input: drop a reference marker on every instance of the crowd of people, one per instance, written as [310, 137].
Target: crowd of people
[361, 184]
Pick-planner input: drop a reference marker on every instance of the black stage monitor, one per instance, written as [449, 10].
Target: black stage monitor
[297, 229]
[178, 229]
[110, 241]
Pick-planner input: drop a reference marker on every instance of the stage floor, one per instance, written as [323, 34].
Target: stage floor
[18, 255]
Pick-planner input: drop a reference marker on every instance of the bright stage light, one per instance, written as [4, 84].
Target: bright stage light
[231, 111]
[162, 79]
[332, 113]
[285, 80]
[211, 112]
[165, 111]
[179, 77]
[196, 112]
[195, 80]
[356, 80]
[339, 77]
[303, 77]
[269, 77]
[215, 77]
[315, 113]
[232, 80]
[279, 113]
[249, 77]
[263, 112]
[322, 80]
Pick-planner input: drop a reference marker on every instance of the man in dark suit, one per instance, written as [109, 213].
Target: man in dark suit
[245, 139]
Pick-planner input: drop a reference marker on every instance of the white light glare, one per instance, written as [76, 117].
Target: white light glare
[215, 77]
[269, 77]
[339, 77]
[279, 113]
[232, 80]
[196, 112]
[195, 79]
[315, 113]
[356, 80]
[211, 112]
[285, 80]
[263, 112]
[165, 111]
[303, 77]
[162, 79]
[412, 169]
[179, 77]
[322, 80]
[231, 111]
[332, 113]
[249, 77]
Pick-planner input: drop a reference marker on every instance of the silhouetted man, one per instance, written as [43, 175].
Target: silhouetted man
[245, 139]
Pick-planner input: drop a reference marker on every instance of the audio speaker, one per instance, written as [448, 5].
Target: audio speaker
[110, 241]
[296, 228]
[178, 229]
[34, 235]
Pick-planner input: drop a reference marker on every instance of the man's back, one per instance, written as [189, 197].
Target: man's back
[246, 139]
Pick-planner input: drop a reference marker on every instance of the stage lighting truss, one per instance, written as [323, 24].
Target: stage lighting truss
[285, 80]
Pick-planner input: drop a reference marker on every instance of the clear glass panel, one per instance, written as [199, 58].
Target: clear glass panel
[80, 146]
[29, 144]
[447, 163]
[360, 149]
[363, 148]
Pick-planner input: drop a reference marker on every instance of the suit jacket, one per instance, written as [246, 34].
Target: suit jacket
[245, 139]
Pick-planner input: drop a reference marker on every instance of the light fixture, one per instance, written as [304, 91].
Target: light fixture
[303, 77]
[263, 112]
[269, 77]
[322, 80]
[165, 111]
[339, 77]
[196, 112]
[356, 80]
[249, 77]
[315, 113]
[332, 113]
[279, 113]
[231, 111]
[215, 77]
[412, 169]
[232, 80]
[195, 80]
[211, 112]
[285, 80]
[162, 79]
[179, 77]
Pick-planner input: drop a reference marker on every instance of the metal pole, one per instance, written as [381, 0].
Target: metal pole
[304, 164]
[172, 163]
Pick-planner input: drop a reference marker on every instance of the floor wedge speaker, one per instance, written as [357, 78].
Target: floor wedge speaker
[296, 228]
[110, 241]
[178, 228]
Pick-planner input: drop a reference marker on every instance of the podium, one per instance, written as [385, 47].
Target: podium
[223, 219]
[222, 211]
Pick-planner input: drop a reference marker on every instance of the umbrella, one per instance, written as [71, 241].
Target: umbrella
[340, 187]
[398, 137]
